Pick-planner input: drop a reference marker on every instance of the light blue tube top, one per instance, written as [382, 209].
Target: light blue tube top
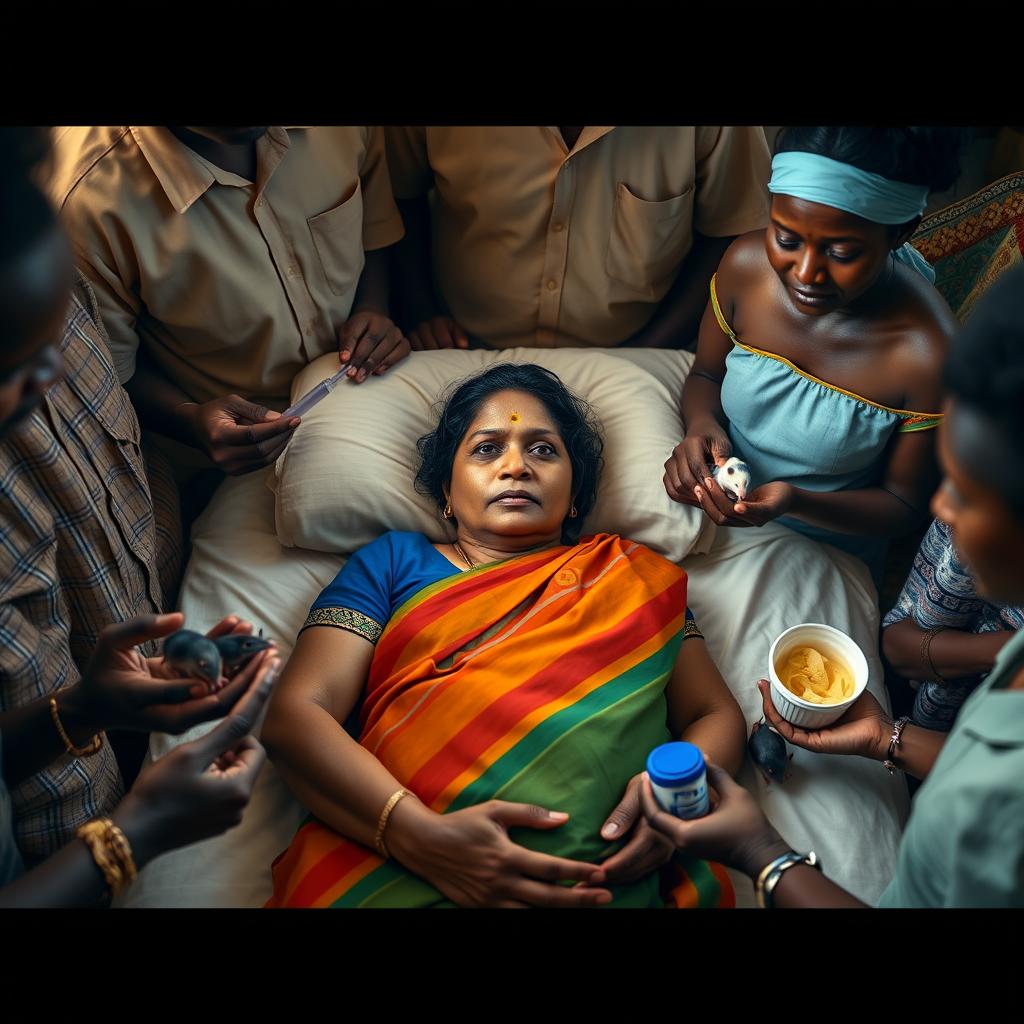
[789, 426]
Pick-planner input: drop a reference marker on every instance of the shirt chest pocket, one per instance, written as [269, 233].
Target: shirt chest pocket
[338, 239]
[648, 240]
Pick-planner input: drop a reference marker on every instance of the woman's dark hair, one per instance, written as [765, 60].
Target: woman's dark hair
[918, 156]
[985, 370]
[576, 422]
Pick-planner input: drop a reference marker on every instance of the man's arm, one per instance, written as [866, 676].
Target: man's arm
[676, 321]
[238, 435]
[415, 303]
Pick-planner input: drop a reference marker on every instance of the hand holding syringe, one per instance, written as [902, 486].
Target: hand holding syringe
[317, 394]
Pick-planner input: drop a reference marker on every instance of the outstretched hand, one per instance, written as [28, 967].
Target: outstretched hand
[121, 689]
[864, 728]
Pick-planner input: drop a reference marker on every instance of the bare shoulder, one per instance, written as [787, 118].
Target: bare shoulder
[927, 326]
[743, 263]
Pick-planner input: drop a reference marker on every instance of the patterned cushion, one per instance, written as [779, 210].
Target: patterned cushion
[971, 242]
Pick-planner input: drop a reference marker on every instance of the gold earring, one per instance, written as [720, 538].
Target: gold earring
[447, 511]
[572, 512]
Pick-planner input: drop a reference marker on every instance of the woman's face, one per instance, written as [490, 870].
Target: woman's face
[34, 294]
[986, 532]
[512, 476]
[826, 258]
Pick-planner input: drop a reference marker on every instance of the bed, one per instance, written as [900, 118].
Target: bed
[745, 587]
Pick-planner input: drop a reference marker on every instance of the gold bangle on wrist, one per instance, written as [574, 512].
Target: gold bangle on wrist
[926, 652]
[95, 744]
[112, 852]
[382, 822]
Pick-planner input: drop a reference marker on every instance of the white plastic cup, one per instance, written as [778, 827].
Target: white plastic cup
[831, 643]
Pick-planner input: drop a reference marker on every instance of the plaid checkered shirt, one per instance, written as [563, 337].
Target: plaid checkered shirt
[78, 550]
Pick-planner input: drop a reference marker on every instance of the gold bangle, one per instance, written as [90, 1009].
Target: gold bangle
[111, 851]
[382, 822]
[926, 652]
[94, 746]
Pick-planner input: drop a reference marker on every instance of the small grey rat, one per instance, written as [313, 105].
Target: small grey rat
[238, 648]
[193, 654]
[768, 751]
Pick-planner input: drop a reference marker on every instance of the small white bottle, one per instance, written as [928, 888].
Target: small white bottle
[679, 779]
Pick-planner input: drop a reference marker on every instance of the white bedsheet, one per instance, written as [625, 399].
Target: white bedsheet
[751, 586]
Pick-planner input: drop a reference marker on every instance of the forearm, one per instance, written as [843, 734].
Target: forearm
[341, 782]
[870, 512]
[917, 751]
[30, 737]
[373, 293]
[676, 320]
[720, 733]
[702, 403]
[800, 887]
[411, 262]
[953, 652]
[160, 404]
[71, 877]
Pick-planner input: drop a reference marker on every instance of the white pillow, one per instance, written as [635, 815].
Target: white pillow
[347, 475]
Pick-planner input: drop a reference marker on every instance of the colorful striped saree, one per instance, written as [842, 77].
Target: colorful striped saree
[540, 679]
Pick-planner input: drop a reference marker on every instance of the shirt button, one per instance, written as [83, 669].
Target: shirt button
[259, 202]
[293, 271]
[558, 227]
[552, 285]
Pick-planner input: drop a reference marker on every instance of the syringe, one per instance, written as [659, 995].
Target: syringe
[317, 394]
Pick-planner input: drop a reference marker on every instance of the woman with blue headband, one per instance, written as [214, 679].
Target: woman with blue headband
[963, 845]
[819, 355]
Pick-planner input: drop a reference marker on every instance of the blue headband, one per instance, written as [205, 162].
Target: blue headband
[819, 179]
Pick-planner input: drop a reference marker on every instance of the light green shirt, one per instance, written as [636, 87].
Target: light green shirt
[964, 842]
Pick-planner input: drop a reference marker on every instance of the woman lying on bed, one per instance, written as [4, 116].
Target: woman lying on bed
[509, 686]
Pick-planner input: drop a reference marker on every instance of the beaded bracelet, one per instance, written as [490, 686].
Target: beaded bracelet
[112, 852]
[382, 823]
[894, 741]
[94, 746]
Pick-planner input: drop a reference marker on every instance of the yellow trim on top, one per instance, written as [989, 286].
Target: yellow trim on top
[902, 413]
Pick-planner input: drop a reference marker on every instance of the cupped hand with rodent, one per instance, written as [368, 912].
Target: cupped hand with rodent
[122, 689]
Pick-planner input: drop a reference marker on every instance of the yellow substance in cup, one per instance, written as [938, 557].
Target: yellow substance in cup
[820, 680]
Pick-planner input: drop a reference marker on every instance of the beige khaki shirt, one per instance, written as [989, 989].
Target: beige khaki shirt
[538, 245]
[232, 286]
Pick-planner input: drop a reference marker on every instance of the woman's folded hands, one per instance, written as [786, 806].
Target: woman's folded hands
[468, 856]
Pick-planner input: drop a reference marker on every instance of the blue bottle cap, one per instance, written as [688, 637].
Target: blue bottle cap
[674, 764]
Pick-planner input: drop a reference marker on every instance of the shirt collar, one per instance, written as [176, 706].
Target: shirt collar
[184, 175]
[589, 135]
[995, 714]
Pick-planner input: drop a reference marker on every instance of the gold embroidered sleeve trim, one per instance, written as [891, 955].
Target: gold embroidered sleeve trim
[345, 618]
[691, 629]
